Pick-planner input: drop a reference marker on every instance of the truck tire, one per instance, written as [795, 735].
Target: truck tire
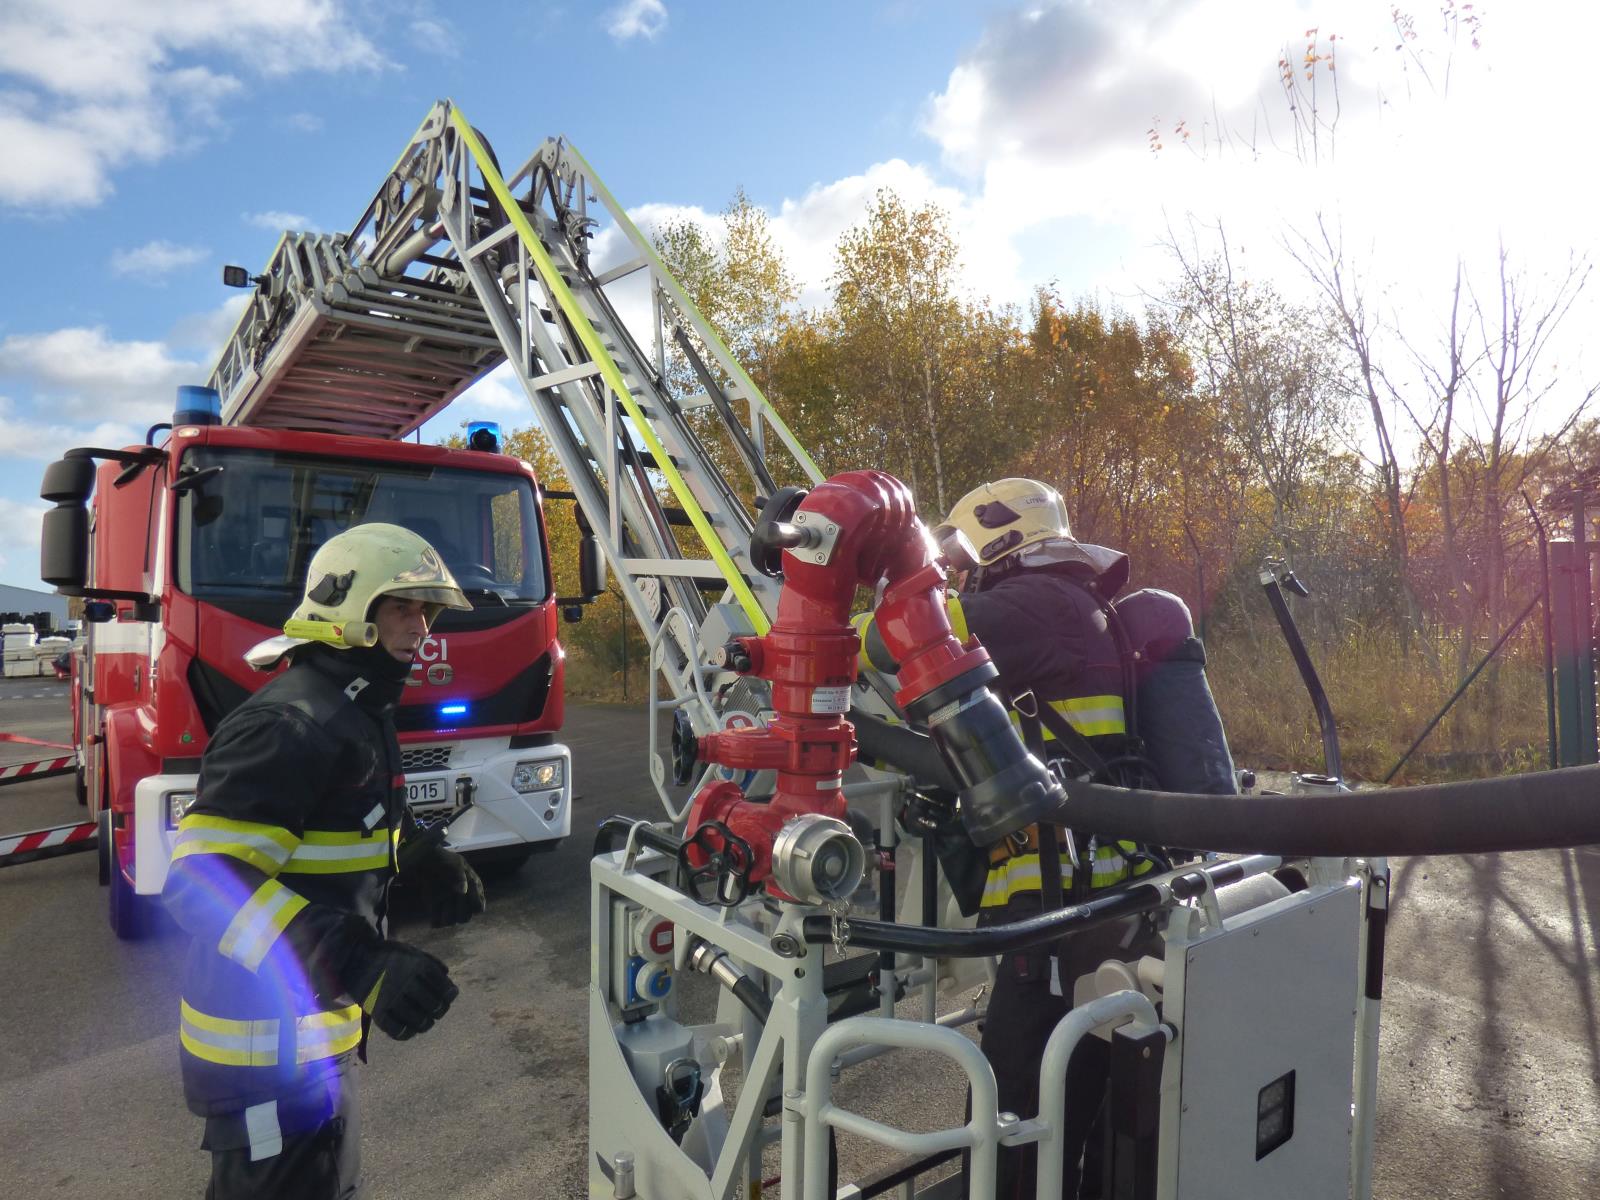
[102, 847]
[129, 912]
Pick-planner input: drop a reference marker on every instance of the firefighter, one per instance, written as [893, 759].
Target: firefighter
[1040, 602]
[281, 871]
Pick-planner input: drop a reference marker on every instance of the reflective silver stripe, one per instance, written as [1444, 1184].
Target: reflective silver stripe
[225, 838]
[326, 1034]
[266, 1136]
[257, 1048]
[374, 816]
[257, 924]
[371, 848]
[1079, 717]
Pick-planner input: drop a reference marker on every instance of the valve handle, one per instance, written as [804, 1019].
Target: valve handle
[724, 877]
[773, 534]
[685, 748]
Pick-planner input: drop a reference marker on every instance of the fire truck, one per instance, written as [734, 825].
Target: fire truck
[193, 548]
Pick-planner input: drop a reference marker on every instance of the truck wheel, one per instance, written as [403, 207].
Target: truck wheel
[102, 847]
[129, 911]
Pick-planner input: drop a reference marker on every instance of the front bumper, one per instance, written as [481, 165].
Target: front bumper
[500, 816]
[153, 837]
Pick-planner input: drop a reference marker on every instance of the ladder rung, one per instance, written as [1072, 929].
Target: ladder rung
[565, 375]
[683, 568]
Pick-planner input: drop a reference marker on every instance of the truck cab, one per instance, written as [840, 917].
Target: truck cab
[192, 551]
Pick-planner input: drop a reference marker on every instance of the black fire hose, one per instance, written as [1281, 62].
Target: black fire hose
[1548, 810]
[1111, 905]
[614, 831]
[903, 748]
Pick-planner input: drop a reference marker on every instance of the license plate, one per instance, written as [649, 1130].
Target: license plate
[426, 791]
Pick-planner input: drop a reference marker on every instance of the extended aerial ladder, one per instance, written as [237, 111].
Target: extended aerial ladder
[454, 269]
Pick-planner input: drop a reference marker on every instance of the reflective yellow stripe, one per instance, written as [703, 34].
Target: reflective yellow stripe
[226, 1042]
[259, 923]
[232, 1043]
[958, 618]
[265, 847]
[331, 852]
[322, 1035]
[1011, 878]
[1021, 873]
[1092, 716]
[862, 622]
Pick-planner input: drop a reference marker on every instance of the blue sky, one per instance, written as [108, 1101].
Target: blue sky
[144, 144]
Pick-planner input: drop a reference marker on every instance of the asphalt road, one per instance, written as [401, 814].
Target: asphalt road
[1490, 1052]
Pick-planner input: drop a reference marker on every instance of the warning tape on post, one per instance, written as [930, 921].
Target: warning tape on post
[16, 848]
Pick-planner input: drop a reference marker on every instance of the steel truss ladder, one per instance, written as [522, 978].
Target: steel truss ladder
[455, 268]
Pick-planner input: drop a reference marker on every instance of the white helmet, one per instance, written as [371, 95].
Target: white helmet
[1001, 518]
[348, 574]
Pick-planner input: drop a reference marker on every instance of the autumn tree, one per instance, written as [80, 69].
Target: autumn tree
[900, 320]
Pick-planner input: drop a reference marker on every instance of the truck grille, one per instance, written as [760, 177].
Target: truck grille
[424, 758]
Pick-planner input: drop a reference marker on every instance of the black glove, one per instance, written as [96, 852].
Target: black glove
[928, 813]
[455, 893]
[404, 990]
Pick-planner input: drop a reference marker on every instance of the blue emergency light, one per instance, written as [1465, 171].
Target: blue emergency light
[484, 435]
[452, 710]
[197, 406]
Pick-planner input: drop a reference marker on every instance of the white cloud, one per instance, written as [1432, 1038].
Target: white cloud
[1046, 120]
[86, 377]
[304, 122]
[497, 395]
[95, 85]
[156, 259]
[19, 540]
[435, 35]
[636, 18]
[278, 221]
[30, 439]
[205, 332]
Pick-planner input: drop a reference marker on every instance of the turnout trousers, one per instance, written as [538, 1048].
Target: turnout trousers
[315, 1155]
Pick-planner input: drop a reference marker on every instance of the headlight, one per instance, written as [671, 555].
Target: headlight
[178, 803]
[537, 776]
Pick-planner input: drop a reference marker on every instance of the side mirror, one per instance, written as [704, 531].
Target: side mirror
[591, 567]
[64, 534]
[572, 613]
[98, 612]
[68, 481]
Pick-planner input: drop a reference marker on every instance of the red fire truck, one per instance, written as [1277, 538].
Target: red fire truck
[190, 551]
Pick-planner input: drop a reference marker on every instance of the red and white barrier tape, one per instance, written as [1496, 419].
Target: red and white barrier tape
[63, 839]
[17, 772]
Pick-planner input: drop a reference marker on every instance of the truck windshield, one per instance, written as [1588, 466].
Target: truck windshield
[247, 532]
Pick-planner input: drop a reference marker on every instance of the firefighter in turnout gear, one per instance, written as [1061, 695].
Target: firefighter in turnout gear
[281, 871]
[1041, 604]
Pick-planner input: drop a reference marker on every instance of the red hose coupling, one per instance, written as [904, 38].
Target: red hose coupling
[915, 626]
[809, 757]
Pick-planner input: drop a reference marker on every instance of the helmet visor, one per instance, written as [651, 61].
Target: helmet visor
[438, 593]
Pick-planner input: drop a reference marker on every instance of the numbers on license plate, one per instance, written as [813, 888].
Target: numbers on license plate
[425, 791]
